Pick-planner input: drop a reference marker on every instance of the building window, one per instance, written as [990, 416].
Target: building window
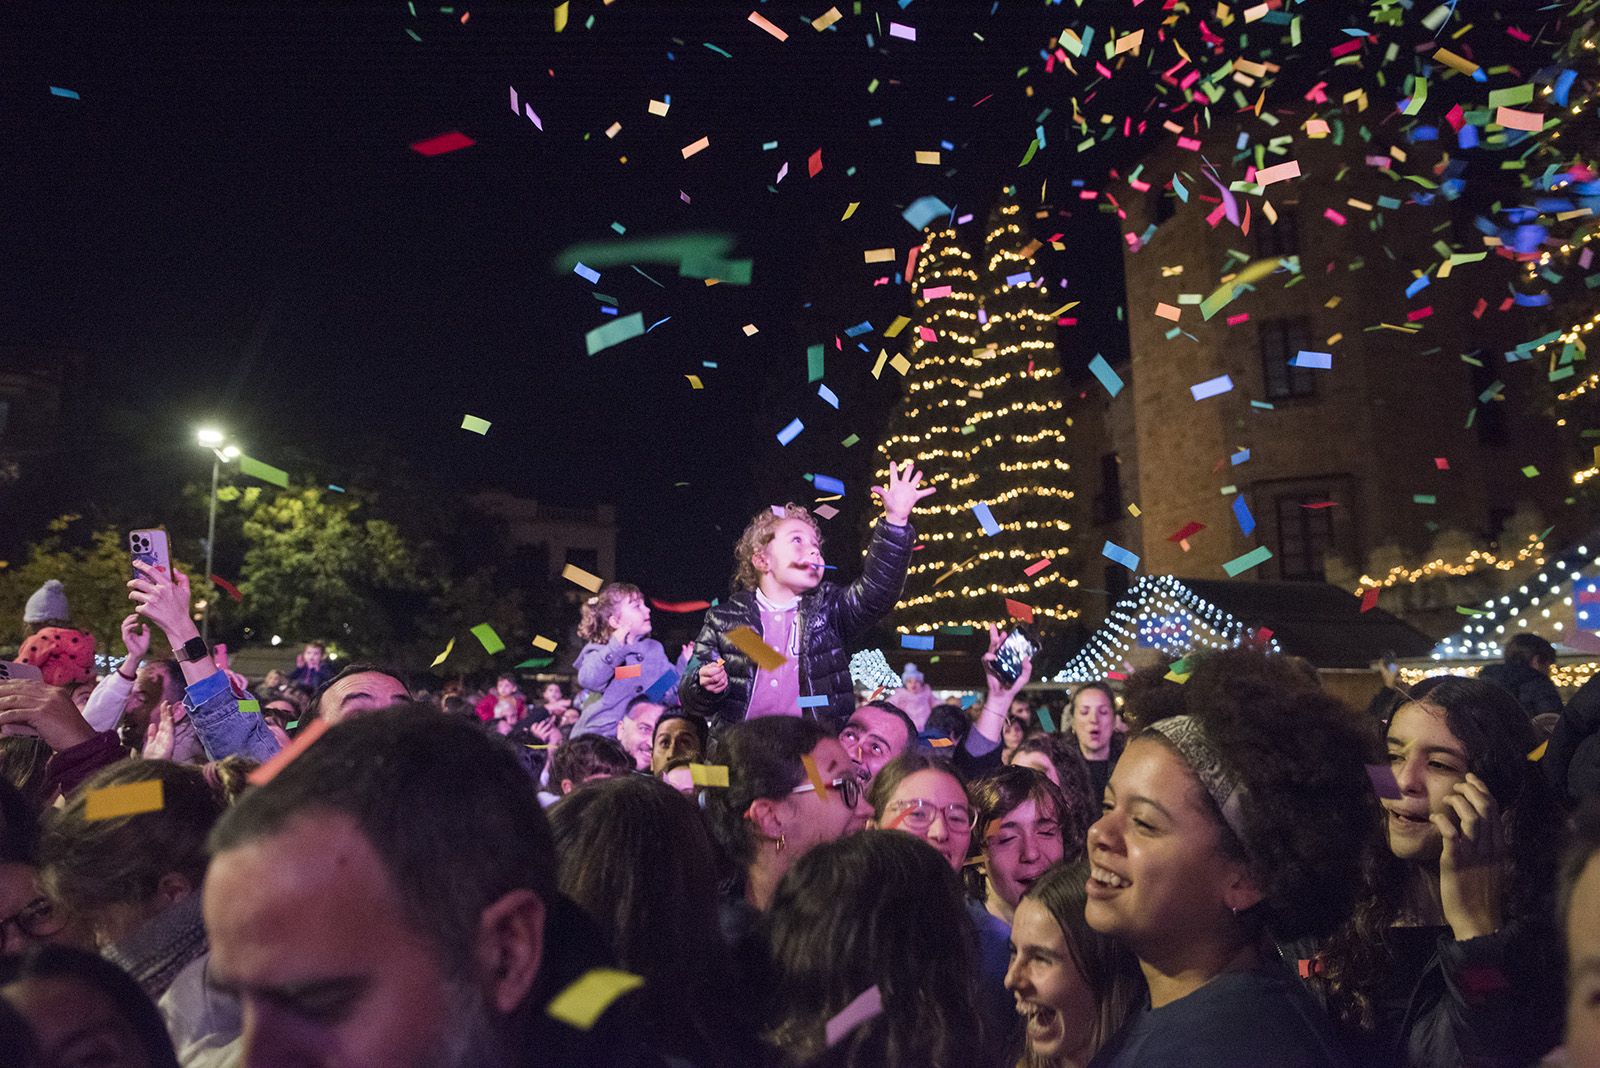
[1281, 340]
[1108, 502]
[1305, 536]
[1281, 238]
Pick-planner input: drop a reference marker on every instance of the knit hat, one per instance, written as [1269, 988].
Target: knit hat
[63, 656]
[48, 602]
[911, 671]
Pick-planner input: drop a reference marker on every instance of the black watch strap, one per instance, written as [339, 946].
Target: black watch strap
[193, 649]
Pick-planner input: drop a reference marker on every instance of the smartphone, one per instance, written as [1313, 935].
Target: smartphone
[150, 548]
[11, 670]
[1017, 647]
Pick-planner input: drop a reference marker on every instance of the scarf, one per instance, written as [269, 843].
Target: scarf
[166, 944]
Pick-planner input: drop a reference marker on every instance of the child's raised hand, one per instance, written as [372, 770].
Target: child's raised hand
[902, 493]
[713, 677]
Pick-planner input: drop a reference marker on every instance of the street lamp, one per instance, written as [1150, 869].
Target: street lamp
[210, 437]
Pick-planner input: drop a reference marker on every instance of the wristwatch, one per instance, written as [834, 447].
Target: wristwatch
[193, 649]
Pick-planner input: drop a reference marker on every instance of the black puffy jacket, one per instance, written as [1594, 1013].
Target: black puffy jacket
[830, 618]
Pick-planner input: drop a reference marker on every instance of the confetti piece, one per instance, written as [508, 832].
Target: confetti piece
[1128, 43]
[658, 107]
[829, 396]
[1450, 59]
[285, 756]
[604, 337]
[448, 142]
[814, 164]
[585, 1001]
[1383, 781]
[715, 775]
[1318, 361]
[628, 671]
[986, 519]
[1539, 751]
[589, 274]
[755, 17]
[1512, 119]
[1188, 531]
[249, 706]
[68, 94]
[814, 775]
[790, 432]
[930, 159]
[449, 648]
[227, 587]
[878, 255]
[1168, 311]
[578, 576]
[813, 701]
[916, 641]
[697, 146]
[561, 15]
[1241, 512]
[935, 292]
[1112, 551]
[1240, 564]
[694, 382]
[1369, 599]
[277, 476]
[1034, 568]
[826, 511]
[1530, 472]
[541, 642]
[902, 31]
[1018, 610]
[1106, 374]
[924, 210]
[814, 355]
[901, 365]
[475, 424]
[1133, 509]
[750, 330]
[828, 484]
[749, 642]
[488, 638]
[867, 1004]
[1283, 171]
[826, 19]
[1211, 387]
[126, 799]
[1046, 720]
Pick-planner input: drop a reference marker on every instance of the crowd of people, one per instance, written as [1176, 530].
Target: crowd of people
[743, 857]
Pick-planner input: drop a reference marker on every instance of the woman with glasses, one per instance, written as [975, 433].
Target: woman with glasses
[27, 917]
[791, 787]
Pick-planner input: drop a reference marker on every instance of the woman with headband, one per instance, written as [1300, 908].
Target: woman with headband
[1242, 820]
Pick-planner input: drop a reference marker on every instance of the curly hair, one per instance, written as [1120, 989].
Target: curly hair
[1308, 811]
[1497, 737]
[594, 620]
[1083, 807]
[883, 909]
[758, 535]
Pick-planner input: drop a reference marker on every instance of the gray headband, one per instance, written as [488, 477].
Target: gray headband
[1188, 736]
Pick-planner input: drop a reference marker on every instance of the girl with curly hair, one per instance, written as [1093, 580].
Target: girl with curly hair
[1451, 956]
[1241, 820]
[621, 661]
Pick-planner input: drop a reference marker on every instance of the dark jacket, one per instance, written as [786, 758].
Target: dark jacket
[1572, 763]
[1533, 689]
[831, 618]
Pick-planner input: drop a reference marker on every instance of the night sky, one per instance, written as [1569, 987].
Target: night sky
[230, 223]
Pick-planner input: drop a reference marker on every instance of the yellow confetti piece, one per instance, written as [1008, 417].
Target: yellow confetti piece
[658, 107]
[750, 644]
[899, 324]
[826, 19]
[929, 158]
[561, 15]
[1131, 43]
[1538, 754]
[541, 642]
[449, 648]
[750, 330]
[1133, 510]
[878, 255]
[127, 799]
[709, 774]
[614, 129]
[577, 575]
[694, 382]
[877, 368]
[474, 424]
[698, 146]
[900, 364]
[586, 1000]
[815, 776]
[1460, 63]
[851, 210]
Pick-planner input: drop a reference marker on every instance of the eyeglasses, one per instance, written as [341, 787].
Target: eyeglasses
[849, 787]
[917, 814]
[37, 919]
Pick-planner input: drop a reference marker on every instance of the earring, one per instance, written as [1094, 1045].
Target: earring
[781, 843]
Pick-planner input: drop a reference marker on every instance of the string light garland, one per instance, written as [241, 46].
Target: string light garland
[1160, 613]
[984, 418]
[1542, 605]
[1477, 560]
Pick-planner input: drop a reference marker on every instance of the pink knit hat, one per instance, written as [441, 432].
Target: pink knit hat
[63, 656]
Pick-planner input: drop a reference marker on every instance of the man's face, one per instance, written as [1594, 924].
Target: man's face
[313, 656]
[150, 687]
[675, 738]
[1583, 967]
[872, 738]
[308, 930]
[635, 730]
[361, 692]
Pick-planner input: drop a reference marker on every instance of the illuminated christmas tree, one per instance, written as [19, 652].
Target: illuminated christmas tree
[983, 417]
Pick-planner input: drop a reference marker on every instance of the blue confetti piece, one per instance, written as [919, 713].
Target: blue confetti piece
[1107, 376]
[1112, 551]
[818, 700]
[56, 90]
[589, 274]
[1467, 137]
[1562, 87]
[1178, 188]
[336, 489]
[1240, 457]
[1021, 278]
[986, 519]
[1417, 286]
[924, 210]
[916, 641]
[666, 682]
[1211, 387]
[828, 395]
[790, 432]
[827, 484]
[1241, 512]
[1317, 361]
[859, 329]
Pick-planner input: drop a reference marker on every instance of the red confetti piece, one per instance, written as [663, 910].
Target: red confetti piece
[680, 606]
[228, 588]
[1018, 610]
[814, 164]
[438, 146]
[1189, 530]
[1369, 599]
[1033, 569]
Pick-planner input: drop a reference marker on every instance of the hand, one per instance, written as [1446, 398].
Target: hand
[901, 494]
[135, 638]
[29, 706]
[1474, 862]
[165, 603]
[713, 677]
[998, 690]
[158, 736]
[547, 731]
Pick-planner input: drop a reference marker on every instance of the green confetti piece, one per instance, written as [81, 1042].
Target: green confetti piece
[475, 424]
[1530, 472]
[488, 638]
[250, 706]
[538, 662]
[1027, 157]
[851, 440]
[1424, 498]
[1510, 98]
[1254, 558]
[814, 356]
[277, 476]
[624, 329]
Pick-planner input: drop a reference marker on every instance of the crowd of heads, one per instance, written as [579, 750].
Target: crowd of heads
[395, 877]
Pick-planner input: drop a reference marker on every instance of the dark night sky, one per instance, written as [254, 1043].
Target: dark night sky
[231, 224]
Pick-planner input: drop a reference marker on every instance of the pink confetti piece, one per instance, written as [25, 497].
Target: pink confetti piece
[1334, 217]
[868, 1003]
[438, 146]
[756, 18]
[1283, 171]
[1513, 119]
[698, 146]
[935, 292]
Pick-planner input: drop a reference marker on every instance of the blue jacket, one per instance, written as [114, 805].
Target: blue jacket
[608, 695]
